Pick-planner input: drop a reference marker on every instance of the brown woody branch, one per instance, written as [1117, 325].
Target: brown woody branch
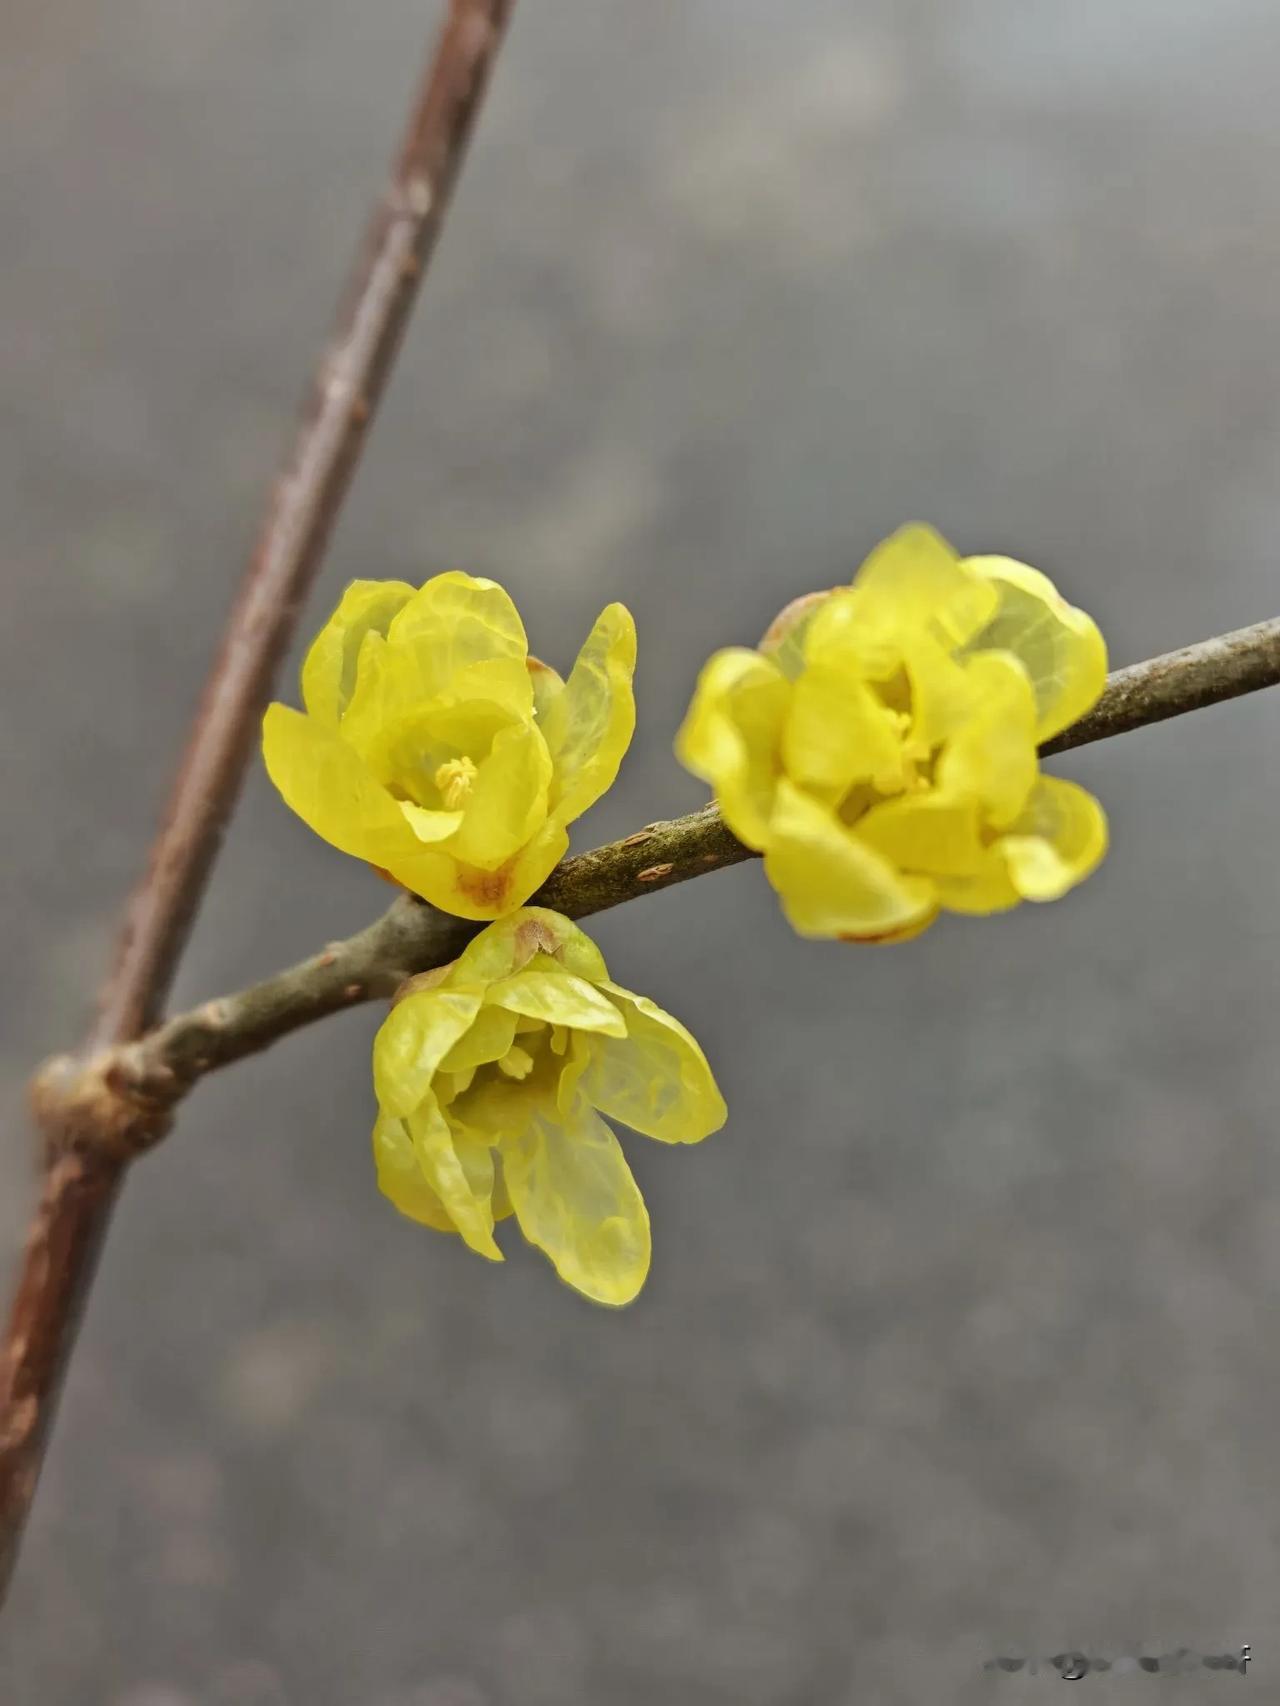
[413, 937]
[96, 1116]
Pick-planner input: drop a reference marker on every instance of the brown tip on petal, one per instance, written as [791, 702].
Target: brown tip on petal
[787, 618]
[486, 888]
[420, 981]
[533, 937]
[533, 665]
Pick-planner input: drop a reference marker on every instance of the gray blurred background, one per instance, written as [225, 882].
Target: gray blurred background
[960, 1337]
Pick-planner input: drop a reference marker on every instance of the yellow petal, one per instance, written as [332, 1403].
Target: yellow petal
[914, 580]
[1056, 842]
[839, 732]
[489, 1037]
[464, 619]
[471, 891]
[400, 1175]
[932, 833]
[548, 685]
[574, 1197]
[1060, 647]
[987, 891]
[588, 726]
[656, 1079]
[413, 1040]
[732, 734]
[558, 998]
[830, 882]
[992, 756]
[514, 941]
[785, 639]
[460, 1175]
[508, 799]
[332, 790]
[329, 672]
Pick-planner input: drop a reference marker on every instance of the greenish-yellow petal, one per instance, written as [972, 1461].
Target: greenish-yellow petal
[589, 724]
[732, 736]
[512, 942]
[464, 1183]
[1056, 842]
[413, 1040]
[575, 1199]
[655, 1079]
[489, 1037]
[329, 671]
[400, 1175]
[1060, 647]
[558, 998]
[830, 882]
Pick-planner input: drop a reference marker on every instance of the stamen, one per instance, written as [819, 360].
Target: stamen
[516, 1062]
[455, 779]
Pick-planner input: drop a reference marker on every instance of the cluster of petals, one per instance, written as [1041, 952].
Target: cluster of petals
[492, 1076]
[434, 747]
[880, 747]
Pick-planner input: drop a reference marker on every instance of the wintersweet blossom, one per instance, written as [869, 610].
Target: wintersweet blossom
[491, 1077]
[880, 747]
[434, 747]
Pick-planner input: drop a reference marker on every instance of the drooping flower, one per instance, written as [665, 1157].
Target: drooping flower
[434, 747]
[491, 1077]
[880, 747]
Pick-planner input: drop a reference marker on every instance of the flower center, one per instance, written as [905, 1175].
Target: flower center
[455, 779]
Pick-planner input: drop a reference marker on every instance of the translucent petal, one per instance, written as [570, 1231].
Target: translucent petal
[839, 732]
[732, 734]
[332, 790]
[914, 580]
[413, 1040]
[471, 891]
[464, 1186]
[548, 685]
[830, 882]
[574, 1197]
[1056, 842]
[992, 757]
[490, 1036]
[559, 998]
[514, 941]
[400, 1175]
[588, 726]
[1060, 647]
[786, 637]
[464, 619]
[944, 695]
[329, 671]
[508, 799]
[932, 834]
[988, 891]
[656, 1079]
[405, 729]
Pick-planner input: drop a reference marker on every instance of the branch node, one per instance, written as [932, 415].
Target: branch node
[101, 1107]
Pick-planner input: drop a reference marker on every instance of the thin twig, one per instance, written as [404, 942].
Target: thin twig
[82, 1173]
[412, 937]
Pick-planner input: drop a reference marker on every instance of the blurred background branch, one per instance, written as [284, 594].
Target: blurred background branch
[92, 1126]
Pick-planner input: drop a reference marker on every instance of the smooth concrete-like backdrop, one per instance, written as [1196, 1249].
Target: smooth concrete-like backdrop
[959, 1339]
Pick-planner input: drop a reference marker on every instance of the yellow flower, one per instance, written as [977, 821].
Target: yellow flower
[491, 1077]
[880, 747]
[437, 749]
